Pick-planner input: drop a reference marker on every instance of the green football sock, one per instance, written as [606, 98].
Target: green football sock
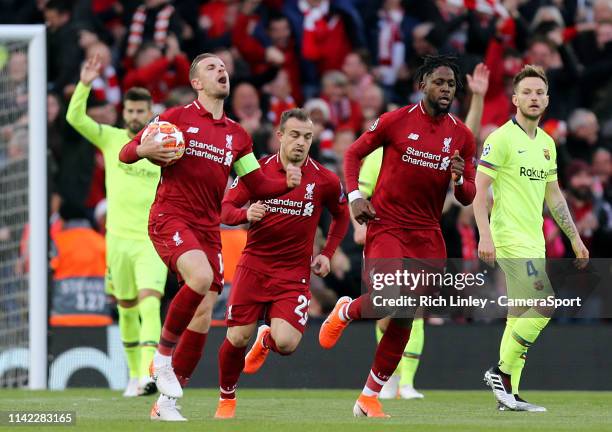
[129, 327]
[524, 333]
[412, 353]
[150, 330]
[379, 335]
[518, 368]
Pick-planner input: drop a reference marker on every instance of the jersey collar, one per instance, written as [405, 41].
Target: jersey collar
[203, 112]
[517, 123]
[430, 119]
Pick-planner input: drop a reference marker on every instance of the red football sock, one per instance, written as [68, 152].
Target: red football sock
[388, 355]
[270, 343]
[187, 354]
[181, 310]
[353, 310]
[231, 363]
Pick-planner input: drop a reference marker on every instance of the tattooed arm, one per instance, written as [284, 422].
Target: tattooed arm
[560, 212]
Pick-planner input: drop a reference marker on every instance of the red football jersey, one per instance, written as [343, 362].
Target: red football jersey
[194, 185]
[281, 243]
[415, 172]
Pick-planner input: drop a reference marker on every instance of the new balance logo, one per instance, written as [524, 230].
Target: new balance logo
[193, 130]
[228, 141]
[177, 239]
[413, 136]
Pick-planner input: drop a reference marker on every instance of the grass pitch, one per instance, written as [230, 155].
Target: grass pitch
[318, 410]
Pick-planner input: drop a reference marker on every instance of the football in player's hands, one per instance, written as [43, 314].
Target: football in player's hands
[162, 143]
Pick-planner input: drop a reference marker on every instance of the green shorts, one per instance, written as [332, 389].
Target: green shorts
[132, 265]
[525, 272]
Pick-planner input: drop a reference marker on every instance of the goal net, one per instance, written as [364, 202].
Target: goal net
[23, 207]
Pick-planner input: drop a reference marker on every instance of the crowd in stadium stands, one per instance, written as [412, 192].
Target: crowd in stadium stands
[346, 61]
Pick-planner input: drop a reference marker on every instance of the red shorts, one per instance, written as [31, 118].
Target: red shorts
[387, 249]
[172, 237]
[385, 242]
[255, 295]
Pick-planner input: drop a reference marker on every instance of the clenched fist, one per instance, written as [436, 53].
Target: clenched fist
[294, 175]
[256, 212]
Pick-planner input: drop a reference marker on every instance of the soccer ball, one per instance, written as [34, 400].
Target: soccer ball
[167, 130]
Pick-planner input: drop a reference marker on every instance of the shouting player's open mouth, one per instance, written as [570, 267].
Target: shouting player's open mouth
[222, 80]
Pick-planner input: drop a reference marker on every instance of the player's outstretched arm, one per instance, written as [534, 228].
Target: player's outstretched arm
[478, 84]
[558, 208]
[232, 211]
[76, 116]
[261, 186]
[486, 249]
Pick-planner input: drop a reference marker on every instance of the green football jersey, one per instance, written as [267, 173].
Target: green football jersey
[520, 167]
[130, 189]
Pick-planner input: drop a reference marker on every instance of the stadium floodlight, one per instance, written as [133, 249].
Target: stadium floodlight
[23, 293]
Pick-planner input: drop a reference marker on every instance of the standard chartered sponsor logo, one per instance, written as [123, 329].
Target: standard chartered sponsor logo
[425, 159]
[209, 151]
[289, 207]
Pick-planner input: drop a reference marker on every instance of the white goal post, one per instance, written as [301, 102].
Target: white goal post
[35, 37]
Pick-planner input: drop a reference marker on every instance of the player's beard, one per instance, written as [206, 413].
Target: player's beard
[439, 109]
[135, 127]
[530, 117]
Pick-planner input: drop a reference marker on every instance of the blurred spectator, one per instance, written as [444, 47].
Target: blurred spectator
[326, 31]
[372, 103]
[216, 20]
[356, 69]
[13, 197]
[592, 214]
[594, 50]
[562, 71]
[390, 49]
[344, 112]
[583, 136]
[342, 140]
[180, 96]
[157, 72]
[246, 110]
[153, 22]
[280, 99]
[602, 169]
[64, 55]
[14, 104]
[267, 54]
[323, 133]
[106, 86]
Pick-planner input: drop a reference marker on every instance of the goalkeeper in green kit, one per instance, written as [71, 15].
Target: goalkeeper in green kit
[135, 274]
[519, 161]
